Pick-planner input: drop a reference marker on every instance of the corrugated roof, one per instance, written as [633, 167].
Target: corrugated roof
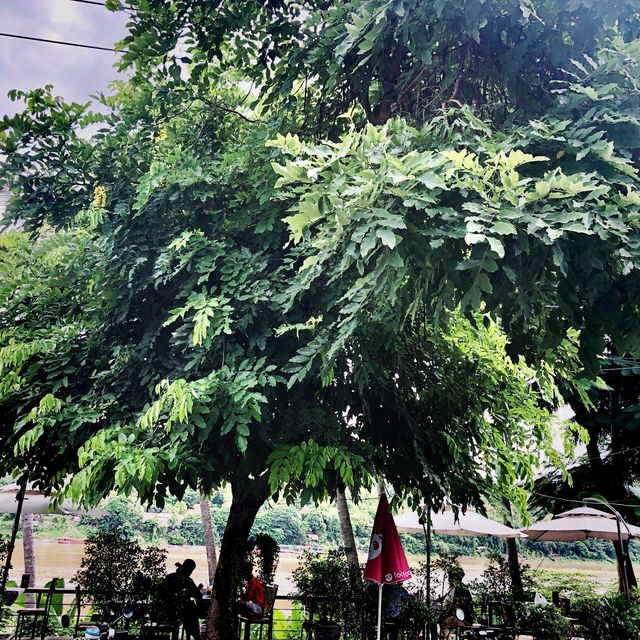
[4, 197]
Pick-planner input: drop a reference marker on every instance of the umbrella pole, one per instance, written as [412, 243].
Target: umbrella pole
[14, 534]
[427, 541]
[623, 557]
[379, 611]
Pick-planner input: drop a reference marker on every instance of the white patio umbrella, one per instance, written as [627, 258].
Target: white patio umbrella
[25, 499]
[469, 523]
[583, 523]
[36, 502]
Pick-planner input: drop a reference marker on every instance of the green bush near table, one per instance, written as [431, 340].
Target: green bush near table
[331, 575]
[544, 622]
[611, 617]
[116, 575]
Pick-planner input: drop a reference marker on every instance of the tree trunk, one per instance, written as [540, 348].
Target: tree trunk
[513, 560]
[389, 75]
[621, 555]
[515, 570]
[244, 508]
[29, 554]
[346, 529]
[209, 540]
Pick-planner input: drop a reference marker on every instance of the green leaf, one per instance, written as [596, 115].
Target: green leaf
[503, 228]
[496, 246]
[388, 237]
[367, 244]
[474, 238]
[432, 180]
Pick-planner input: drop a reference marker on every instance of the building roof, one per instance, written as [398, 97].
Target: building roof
[4, 198]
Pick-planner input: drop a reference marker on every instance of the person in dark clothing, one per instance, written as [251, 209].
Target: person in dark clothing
[394, 597]
[180, 597]
[457, 597]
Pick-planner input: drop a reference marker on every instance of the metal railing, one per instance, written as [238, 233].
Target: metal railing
[292, 616]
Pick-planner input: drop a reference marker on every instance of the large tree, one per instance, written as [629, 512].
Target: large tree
[215, 296]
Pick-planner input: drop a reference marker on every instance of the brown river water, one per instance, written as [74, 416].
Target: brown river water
[63, 560]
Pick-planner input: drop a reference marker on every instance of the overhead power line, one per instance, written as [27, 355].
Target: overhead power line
[61, 42]
[97, 4]
[577, 501]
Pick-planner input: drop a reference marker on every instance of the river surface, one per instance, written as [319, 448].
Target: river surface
[63, 560]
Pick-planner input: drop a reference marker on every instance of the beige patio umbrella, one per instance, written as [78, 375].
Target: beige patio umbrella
[583, 523]
[36, 502]
[448, 523]
[469, 523]
[25, 499]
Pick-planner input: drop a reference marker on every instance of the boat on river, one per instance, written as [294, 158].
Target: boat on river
[70, 541]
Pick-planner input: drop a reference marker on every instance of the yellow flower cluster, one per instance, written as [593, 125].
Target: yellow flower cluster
[162, 135]
[99, 197]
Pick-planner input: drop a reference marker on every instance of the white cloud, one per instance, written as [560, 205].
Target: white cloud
[75, 73]
[68, 13]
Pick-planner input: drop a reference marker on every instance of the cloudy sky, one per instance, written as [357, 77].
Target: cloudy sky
[75, 73]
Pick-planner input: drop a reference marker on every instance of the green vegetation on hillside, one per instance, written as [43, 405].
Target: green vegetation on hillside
[179, 524]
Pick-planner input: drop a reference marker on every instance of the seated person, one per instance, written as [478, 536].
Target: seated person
[393, 597]
[179, 597]
[457, 597]
[252, 601]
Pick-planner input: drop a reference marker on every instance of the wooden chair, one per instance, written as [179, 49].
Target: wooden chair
[30, 616]
[246, 620]
[81, 625]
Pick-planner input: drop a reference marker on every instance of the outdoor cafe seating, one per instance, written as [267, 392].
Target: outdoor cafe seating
[264, 620]
[31, 617]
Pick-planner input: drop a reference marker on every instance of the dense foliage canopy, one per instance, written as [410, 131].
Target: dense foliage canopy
[228, 271]
[315, 243]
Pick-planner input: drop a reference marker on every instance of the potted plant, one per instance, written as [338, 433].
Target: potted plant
[264, 553]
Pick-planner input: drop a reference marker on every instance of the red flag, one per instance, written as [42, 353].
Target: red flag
[387, 563]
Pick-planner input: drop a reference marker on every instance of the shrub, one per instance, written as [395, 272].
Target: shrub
[152, 530]
[313, 522]
[122, 515]
[611, 617]
[191, 530]
[568, 585]
[282, 522]
[175, 537]
[115, 573]
[495, 583]
[544, 622]
[331, 575]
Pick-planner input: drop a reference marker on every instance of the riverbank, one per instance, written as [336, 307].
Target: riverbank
[63, 560]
